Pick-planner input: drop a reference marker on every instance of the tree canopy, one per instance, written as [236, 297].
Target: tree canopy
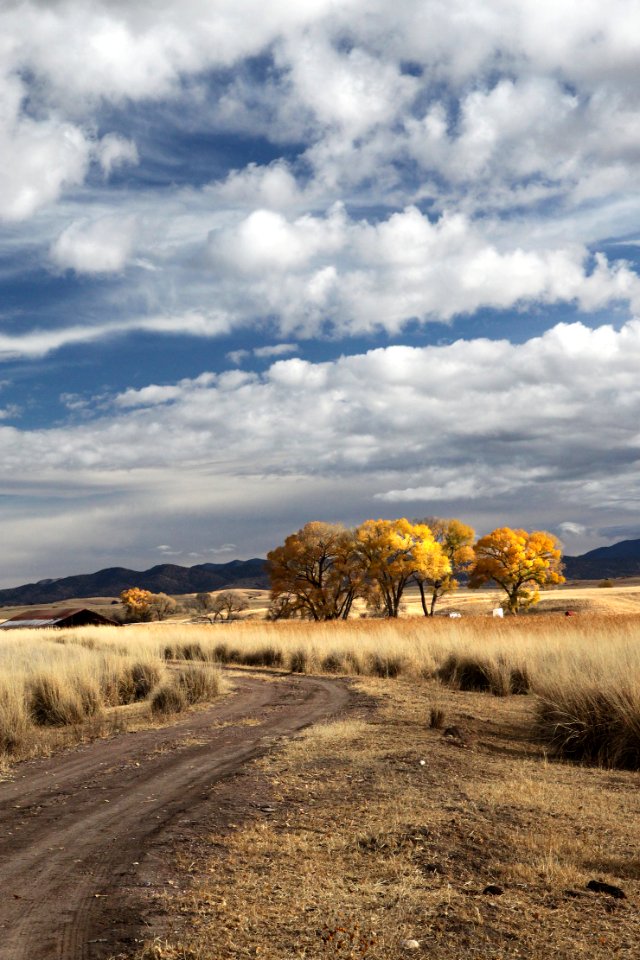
[519, 562]
[391, 553]
[456, 541]
[314, 574]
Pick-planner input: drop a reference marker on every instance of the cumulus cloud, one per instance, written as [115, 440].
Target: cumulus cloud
[528, 91]
[45, 156]
[101, 246]
[421, 161]
[472, 421]
[353, 276]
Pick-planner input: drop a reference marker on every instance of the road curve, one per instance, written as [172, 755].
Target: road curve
[71, 824]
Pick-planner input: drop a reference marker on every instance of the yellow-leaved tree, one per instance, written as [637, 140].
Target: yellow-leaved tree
[314, 574]
[143, 605]
[392, 553]
[137, 603]
[519, 562]
[456, 540]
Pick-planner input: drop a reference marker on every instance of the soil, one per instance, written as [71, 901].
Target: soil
[84, 836]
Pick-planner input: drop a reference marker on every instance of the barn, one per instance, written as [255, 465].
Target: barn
[68, 617]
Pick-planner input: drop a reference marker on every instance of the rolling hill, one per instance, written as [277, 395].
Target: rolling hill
[164, 578]
[620, 560]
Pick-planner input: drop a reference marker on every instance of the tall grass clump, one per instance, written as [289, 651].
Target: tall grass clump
[201, 682]
[14, 719]
[169, 698]
[62, 700]
[587, 700]
[591, 722]
[479, 672]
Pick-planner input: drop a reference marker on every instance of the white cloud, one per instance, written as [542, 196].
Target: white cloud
[525, 434]
[352, 276]
[99, 246]
[538, 413]
[274, 350]
[114, 151]
[41, 157]
[568, 527]
[38, 343]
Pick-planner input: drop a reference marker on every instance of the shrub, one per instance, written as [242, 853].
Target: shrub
[385, 666]
[299, 661]
[606, 583]
[14, 722]
[437, 718]
[470, 673]
[199, 683]
[168, 699]
[268, 656]
[332, 663]
[596, 726]
[144, 676]
[520, 681]
[56, 702]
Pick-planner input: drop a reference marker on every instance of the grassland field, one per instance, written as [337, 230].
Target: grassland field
[499, 754]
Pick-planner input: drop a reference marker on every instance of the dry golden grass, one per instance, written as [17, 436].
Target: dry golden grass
[51, 680]
[584, 671]
[379, 829]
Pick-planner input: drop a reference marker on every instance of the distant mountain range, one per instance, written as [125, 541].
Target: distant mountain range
[620, 560]
[165, 578]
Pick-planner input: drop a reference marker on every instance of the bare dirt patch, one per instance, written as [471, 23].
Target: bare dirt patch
[84, 836]
[378, 830]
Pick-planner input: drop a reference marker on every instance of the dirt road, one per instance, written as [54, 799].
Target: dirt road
[78, 829]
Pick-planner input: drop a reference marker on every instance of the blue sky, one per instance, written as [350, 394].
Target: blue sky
[264, 263]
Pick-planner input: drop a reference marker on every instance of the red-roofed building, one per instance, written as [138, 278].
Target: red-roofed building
[59, 617]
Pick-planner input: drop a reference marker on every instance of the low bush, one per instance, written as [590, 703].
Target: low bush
[54, 701]
[333, 663]
[145, 675]
[199, 683]
[591, 725]
[268, 656]
[380, 665]
[474, 674]
[169, 698]
[14, 721]
[437, 718]
[299, 661]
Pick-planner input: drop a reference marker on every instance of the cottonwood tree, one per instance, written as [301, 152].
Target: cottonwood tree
[136, 603]
[456, 541]
[314, 574]
[392, 553]
[519, 562]
[224, 605]
[161, 606]
[227, 605]
[143, 605]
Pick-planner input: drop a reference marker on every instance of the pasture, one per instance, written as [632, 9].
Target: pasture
[479, 797]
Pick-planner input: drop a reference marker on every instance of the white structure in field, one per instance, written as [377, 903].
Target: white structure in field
[455, 615]
[498, 612]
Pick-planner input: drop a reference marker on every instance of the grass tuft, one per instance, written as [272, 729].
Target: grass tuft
[198, 683]
[299, 661]
[437, 718]
[169, 698]
[589, 725]
[56, 702]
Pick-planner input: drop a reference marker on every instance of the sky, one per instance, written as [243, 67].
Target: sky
[265, 262]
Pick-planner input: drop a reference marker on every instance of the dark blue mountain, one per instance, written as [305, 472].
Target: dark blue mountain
[620, 560]
[165, 578]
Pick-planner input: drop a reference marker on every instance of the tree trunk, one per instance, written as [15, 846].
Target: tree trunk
[423, 599]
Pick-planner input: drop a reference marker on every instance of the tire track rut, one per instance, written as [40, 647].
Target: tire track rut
[72, 826]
